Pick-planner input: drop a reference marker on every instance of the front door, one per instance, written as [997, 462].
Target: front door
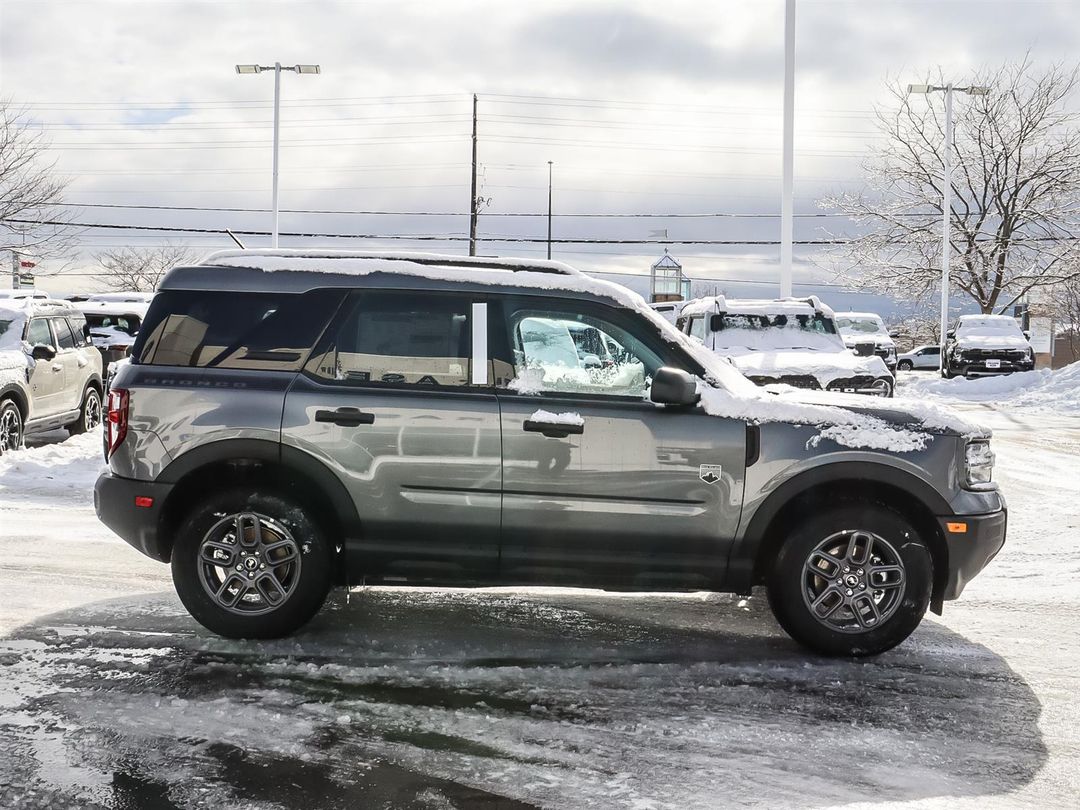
[601, 486]
[392, 404]
[47, 376]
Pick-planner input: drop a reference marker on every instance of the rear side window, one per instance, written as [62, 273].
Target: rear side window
[398, 339]
[80, 329]
[234, 330]
[63, 333]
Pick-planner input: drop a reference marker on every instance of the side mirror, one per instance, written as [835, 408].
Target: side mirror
[591, 361]
[716, 323]
[42, 352]
[864, 349]
[1027, 334]
[673, 386]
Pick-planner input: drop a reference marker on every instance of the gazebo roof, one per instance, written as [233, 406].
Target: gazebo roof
[667, 261]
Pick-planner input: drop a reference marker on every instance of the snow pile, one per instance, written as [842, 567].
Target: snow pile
[67, 468]
[549, 418]
[1043, 390]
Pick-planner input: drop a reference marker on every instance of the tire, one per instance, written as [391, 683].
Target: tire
[905, 365]
[11, 426]
[89, 413]
[849, 627]
[300, 583]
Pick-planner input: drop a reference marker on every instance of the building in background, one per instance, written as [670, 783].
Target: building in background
[667, 282]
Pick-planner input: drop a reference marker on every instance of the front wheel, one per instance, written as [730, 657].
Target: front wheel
[853, 580]
[249, 564]
[905, 365]
[11, 426]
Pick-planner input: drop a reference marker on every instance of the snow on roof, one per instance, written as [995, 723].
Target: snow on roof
[757, 306]
[866, 315]
[113, 307]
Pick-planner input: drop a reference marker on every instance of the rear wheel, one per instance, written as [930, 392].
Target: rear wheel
[11, 426]
[852, 580]
[248, 564]
[89, 413]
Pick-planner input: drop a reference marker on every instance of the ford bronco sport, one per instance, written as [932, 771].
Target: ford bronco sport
[291, 420]
[50, 375]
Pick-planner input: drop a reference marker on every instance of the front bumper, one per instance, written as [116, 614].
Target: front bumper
[972, 542]
[979, 368]
[114, 502]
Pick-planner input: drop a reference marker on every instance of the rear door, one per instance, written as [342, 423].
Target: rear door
[74, 361]
[47, 376]
[601, 486]
[394, 402]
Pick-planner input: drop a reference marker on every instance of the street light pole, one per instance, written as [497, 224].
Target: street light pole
[277, 68]
[787, 191]
[946, 191]
[549, 210]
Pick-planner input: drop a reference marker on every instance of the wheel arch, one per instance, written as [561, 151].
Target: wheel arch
[18, 396]
[254, 462]
[913, 498]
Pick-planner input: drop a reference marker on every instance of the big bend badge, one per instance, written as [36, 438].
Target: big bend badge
[710, 473]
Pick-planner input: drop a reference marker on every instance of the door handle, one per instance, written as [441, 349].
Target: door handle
[553, 430]
[346, 417]
[57, 367]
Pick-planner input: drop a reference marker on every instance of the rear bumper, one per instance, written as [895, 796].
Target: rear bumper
[114, 502]
[970, 550]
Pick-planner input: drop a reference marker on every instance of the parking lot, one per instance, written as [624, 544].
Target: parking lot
[112, 696]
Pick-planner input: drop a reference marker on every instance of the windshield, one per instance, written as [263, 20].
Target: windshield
[989, 325]
[10, 333]
[775, 332]
[860, 326]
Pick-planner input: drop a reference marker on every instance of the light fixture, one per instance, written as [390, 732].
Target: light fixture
[308, 69]
[248, 69]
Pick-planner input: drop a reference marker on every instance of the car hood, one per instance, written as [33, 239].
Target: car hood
[992, 341]
[9, 359]
[881, 341]
[824, 366]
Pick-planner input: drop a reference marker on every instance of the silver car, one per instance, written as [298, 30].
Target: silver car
[50, 374]
[292, 420]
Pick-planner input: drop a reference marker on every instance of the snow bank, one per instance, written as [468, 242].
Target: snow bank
[67, 468]
[1045, 390]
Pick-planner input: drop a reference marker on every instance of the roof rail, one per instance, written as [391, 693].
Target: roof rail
[441, 260]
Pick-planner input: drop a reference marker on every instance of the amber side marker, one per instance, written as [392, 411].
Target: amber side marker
[956, 528]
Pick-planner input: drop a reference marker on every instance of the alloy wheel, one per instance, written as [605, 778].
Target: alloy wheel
[92, 410]
[10, 429]
[853, 581]
[249, 564]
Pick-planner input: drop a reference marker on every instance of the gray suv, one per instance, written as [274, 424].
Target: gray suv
[292, 420]
[50, 374]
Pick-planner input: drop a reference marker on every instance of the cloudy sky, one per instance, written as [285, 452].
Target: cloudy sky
[644, 107]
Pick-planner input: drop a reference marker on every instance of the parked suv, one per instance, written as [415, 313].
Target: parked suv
[857, 328]
[792, 341]
[114, 322]
[50, 375]
[920, 357]
[984, 345]
[294, 419]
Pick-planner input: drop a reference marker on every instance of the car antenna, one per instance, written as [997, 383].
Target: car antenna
[233, 237]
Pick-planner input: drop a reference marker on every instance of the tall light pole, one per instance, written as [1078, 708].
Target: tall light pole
[946, 190]
[787, 193]
[549, 209]
[304, 70]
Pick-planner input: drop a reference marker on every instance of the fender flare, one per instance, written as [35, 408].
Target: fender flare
[13, 391]
[744, 552]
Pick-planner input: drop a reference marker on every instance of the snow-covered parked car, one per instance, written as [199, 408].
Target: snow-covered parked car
[114, 320]
[857, 328]
[788, 341]
[291, 420]
[50, 375]
[980, 345]
[920, 357]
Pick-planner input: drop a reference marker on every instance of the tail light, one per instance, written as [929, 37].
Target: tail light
[116, 422]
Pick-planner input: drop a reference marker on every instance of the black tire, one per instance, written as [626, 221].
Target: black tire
[791, 586]
[905, 365]
[11, 426]
[89, 413]
[306, 584]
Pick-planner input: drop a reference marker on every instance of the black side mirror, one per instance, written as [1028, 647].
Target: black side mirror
[42, 352]
[1027, 334]
[716, 323]
[864, 349]
[673, 386]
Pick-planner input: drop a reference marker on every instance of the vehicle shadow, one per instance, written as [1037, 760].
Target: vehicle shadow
[499, 698]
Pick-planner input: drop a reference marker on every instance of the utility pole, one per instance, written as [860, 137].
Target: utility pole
[472, 200]
[549, 209]
[787, 192]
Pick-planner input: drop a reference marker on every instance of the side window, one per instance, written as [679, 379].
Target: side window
[936, 350]
[271, 331]
[38, 333]
[697, 327]
[63, 333]
[392, 338]
[80, 329]
[551, 356]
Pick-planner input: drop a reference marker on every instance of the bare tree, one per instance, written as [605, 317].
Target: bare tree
[141, 269]
[1064, 299]
[30, 220]
[1015, 188]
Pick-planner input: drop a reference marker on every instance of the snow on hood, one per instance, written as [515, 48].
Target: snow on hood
[992, 340]
[825, 366]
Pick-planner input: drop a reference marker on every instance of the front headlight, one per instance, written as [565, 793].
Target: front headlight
[978, 462]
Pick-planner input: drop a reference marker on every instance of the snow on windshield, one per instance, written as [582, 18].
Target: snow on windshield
[861, 326]
[988, 325]
[10, 332]
[774, 332]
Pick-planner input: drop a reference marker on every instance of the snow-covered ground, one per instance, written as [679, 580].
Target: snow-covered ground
[111, 696]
